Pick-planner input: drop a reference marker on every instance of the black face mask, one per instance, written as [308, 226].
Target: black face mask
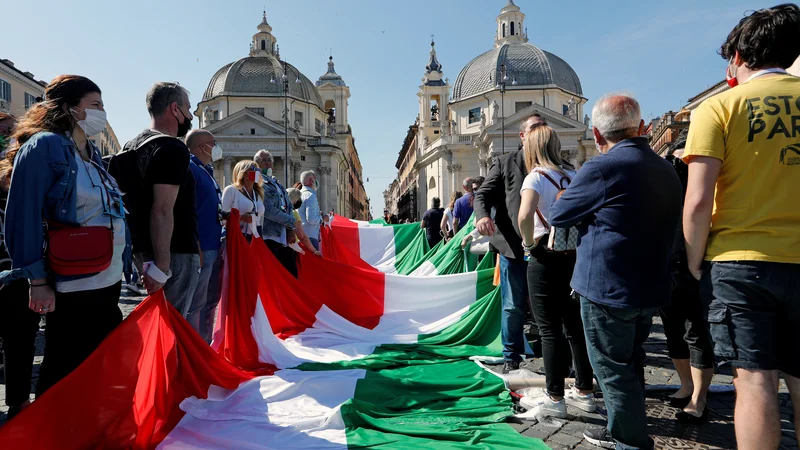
[298, 204]
[184, 127]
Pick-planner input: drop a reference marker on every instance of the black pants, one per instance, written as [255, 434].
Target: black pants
[18, 328]
[286, 256]
[556, 313]
[76, 328]
[685, 325]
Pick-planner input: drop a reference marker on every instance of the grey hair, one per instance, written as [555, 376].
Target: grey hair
[305, 175]
[294, 194]
[467, 182]
[163, 94]
[616, 116]
[261, 153]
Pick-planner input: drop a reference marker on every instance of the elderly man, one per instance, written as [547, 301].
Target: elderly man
[278, 217]
[627, 205]
[500, 193]
[310, 215]
[208, 198]
[741, 218]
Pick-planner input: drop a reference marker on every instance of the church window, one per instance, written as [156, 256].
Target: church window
[519, 106]
[252, 131]
[263, 44]
[259, 111]
[565, 109]
[512, 28]
[318, 125]
[432, 183]
[474, 115]
[504, 30]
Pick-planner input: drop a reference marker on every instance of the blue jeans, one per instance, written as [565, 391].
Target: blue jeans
[514, 292]
[200, 296]
[315, 243]
[614, 338]
[179, 289]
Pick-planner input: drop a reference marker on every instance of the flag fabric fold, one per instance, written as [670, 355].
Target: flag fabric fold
[349, 355]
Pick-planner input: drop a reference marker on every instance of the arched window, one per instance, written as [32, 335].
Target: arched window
[504, 30]
[432, 183]
[512, 28]
[263, 44]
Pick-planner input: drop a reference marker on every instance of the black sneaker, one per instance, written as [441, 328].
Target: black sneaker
[600, 437]
[509, 366]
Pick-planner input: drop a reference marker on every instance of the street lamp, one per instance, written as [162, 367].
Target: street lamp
[285, 86]
[502, 80]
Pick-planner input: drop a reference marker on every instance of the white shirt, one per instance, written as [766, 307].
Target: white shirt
[449, 214]
[547, 194]
[233, 198]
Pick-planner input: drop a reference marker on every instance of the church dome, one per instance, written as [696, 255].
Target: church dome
[251, 77]
[260, 74]
[525, 63]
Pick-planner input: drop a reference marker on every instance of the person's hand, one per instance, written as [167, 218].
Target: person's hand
[151, 285]
[486, 226]
[317, 253]
[42, 299]
[466, 241]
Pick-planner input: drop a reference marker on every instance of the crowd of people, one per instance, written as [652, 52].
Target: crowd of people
[707, 237]
[154, 211]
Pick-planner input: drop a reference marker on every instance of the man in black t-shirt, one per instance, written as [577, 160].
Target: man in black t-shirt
[431, 221]
[160, 194]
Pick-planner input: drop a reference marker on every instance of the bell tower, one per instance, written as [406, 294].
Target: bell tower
[433, 94]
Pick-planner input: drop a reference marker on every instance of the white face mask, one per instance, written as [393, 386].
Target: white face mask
[216, 153]
[94, 123]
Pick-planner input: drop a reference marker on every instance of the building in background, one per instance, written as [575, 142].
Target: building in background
[18, 90]
[107, 141]
[462, 127]
[245, 108]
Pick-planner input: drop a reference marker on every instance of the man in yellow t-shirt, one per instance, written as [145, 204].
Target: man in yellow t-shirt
[742, 216]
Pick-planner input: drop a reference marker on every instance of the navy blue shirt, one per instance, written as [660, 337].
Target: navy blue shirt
[462, 210]
[208, 203]
[627, 205]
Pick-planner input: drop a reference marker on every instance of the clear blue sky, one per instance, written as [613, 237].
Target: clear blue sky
[663, 52]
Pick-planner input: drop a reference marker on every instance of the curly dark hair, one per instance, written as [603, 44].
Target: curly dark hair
[766, 38]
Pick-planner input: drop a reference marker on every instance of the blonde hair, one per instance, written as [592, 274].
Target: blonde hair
[453, 197]
[240, 171]
[542, 148]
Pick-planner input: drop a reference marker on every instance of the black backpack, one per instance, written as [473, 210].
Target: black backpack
[129, 166]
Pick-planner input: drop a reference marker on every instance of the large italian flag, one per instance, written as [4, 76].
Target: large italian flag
[395, 249]
[344, 357]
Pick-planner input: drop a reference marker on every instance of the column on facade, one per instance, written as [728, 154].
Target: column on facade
[455, 181]
[227, 169]
[323, 193]
[298, 169]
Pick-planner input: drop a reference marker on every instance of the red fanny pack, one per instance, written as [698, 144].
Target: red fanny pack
[79, 250]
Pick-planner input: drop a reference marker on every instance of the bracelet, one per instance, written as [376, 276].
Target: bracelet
[38, 285]
[528, 247]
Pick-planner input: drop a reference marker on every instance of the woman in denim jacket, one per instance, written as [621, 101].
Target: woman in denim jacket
[58, 176]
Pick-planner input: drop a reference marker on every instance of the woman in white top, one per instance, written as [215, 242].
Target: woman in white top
[447, 219]
[246, 195]
[549, 275]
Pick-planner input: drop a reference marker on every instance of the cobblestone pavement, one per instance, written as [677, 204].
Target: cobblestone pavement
[667, 433]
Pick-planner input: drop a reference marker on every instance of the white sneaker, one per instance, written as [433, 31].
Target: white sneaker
[544, 406]
[582, 402]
